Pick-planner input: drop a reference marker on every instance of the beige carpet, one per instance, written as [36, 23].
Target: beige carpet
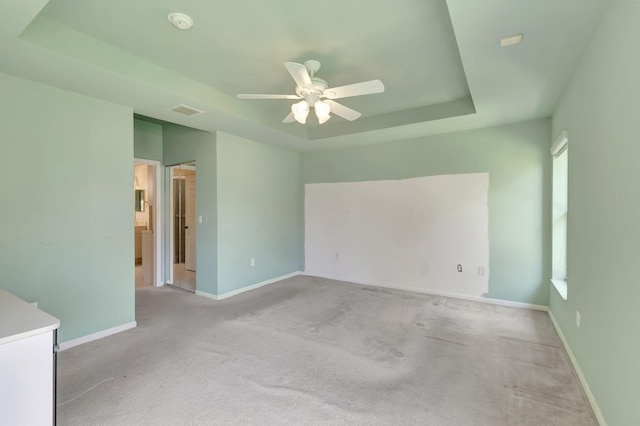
[313, 351]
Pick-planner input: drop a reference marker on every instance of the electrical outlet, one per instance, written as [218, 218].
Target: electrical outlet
[199, 219]
[578, 318]
[253, 261]
[459, 267]
[480, 270]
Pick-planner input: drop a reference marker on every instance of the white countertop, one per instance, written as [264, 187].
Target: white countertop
[19, 320]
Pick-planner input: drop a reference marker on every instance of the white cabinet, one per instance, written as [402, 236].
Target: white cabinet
[26, 363]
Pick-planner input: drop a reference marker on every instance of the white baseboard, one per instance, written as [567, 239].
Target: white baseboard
[247, 288]
[583, 379]
[445, 294]
[95, 336]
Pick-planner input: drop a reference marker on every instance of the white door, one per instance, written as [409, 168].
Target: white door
[190, 223]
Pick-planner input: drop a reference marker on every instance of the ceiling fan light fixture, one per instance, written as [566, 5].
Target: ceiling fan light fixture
[324, 118]
[300, 111]
[323, 111]
[312, 89]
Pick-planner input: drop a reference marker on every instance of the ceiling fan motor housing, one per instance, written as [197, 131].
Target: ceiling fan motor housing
[319, 86]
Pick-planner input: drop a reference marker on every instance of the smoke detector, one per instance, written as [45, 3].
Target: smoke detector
[181, 20]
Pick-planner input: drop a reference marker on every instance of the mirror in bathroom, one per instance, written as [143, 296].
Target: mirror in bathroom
[139, 200]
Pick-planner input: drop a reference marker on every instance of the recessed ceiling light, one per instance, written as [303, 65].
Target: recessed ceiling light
[510, 41]
[180, 20]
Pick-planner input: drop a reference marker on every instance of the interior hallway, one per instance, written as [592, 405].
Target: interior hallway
[308, 350]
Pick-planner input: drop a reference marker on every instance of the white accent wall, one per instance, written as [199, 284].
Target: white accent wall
[408, 233]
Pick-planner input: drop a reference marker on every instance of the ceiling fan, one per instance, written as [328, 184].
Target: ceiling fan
[316, 93]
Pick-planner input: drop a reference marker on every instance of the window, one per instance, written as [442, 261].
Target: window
[560, 153]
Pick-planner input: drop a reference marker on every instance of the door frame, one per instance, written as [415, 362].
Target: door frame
[157, 220]
[190, 236]
[170, 257]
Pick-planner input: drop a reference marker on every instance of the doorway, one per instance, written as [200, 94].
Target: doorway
[147, 223]
[183, 226]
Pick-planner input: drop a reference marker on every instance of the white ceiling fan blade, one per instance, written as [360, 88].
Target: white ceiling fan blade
[343, 111]
[289, 118]
[300, 74]
[261, 96]
[356, 89]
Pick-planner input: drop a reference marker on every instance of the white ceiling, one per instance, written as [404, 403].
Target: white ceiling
[440, 60]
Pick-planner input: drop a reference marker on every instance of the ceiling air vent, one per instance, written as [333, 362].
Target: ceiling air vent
[186, 110]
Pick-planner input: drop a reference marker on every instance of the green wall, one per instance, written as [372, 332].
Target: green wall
[182, 145]
[248, 194]
[519, 166]
[147, 140]
[67, 216]
[600, 111]
[259, 212]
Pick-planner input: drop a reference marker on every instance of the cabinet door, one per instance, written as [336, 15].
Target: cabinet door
[26, 378]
